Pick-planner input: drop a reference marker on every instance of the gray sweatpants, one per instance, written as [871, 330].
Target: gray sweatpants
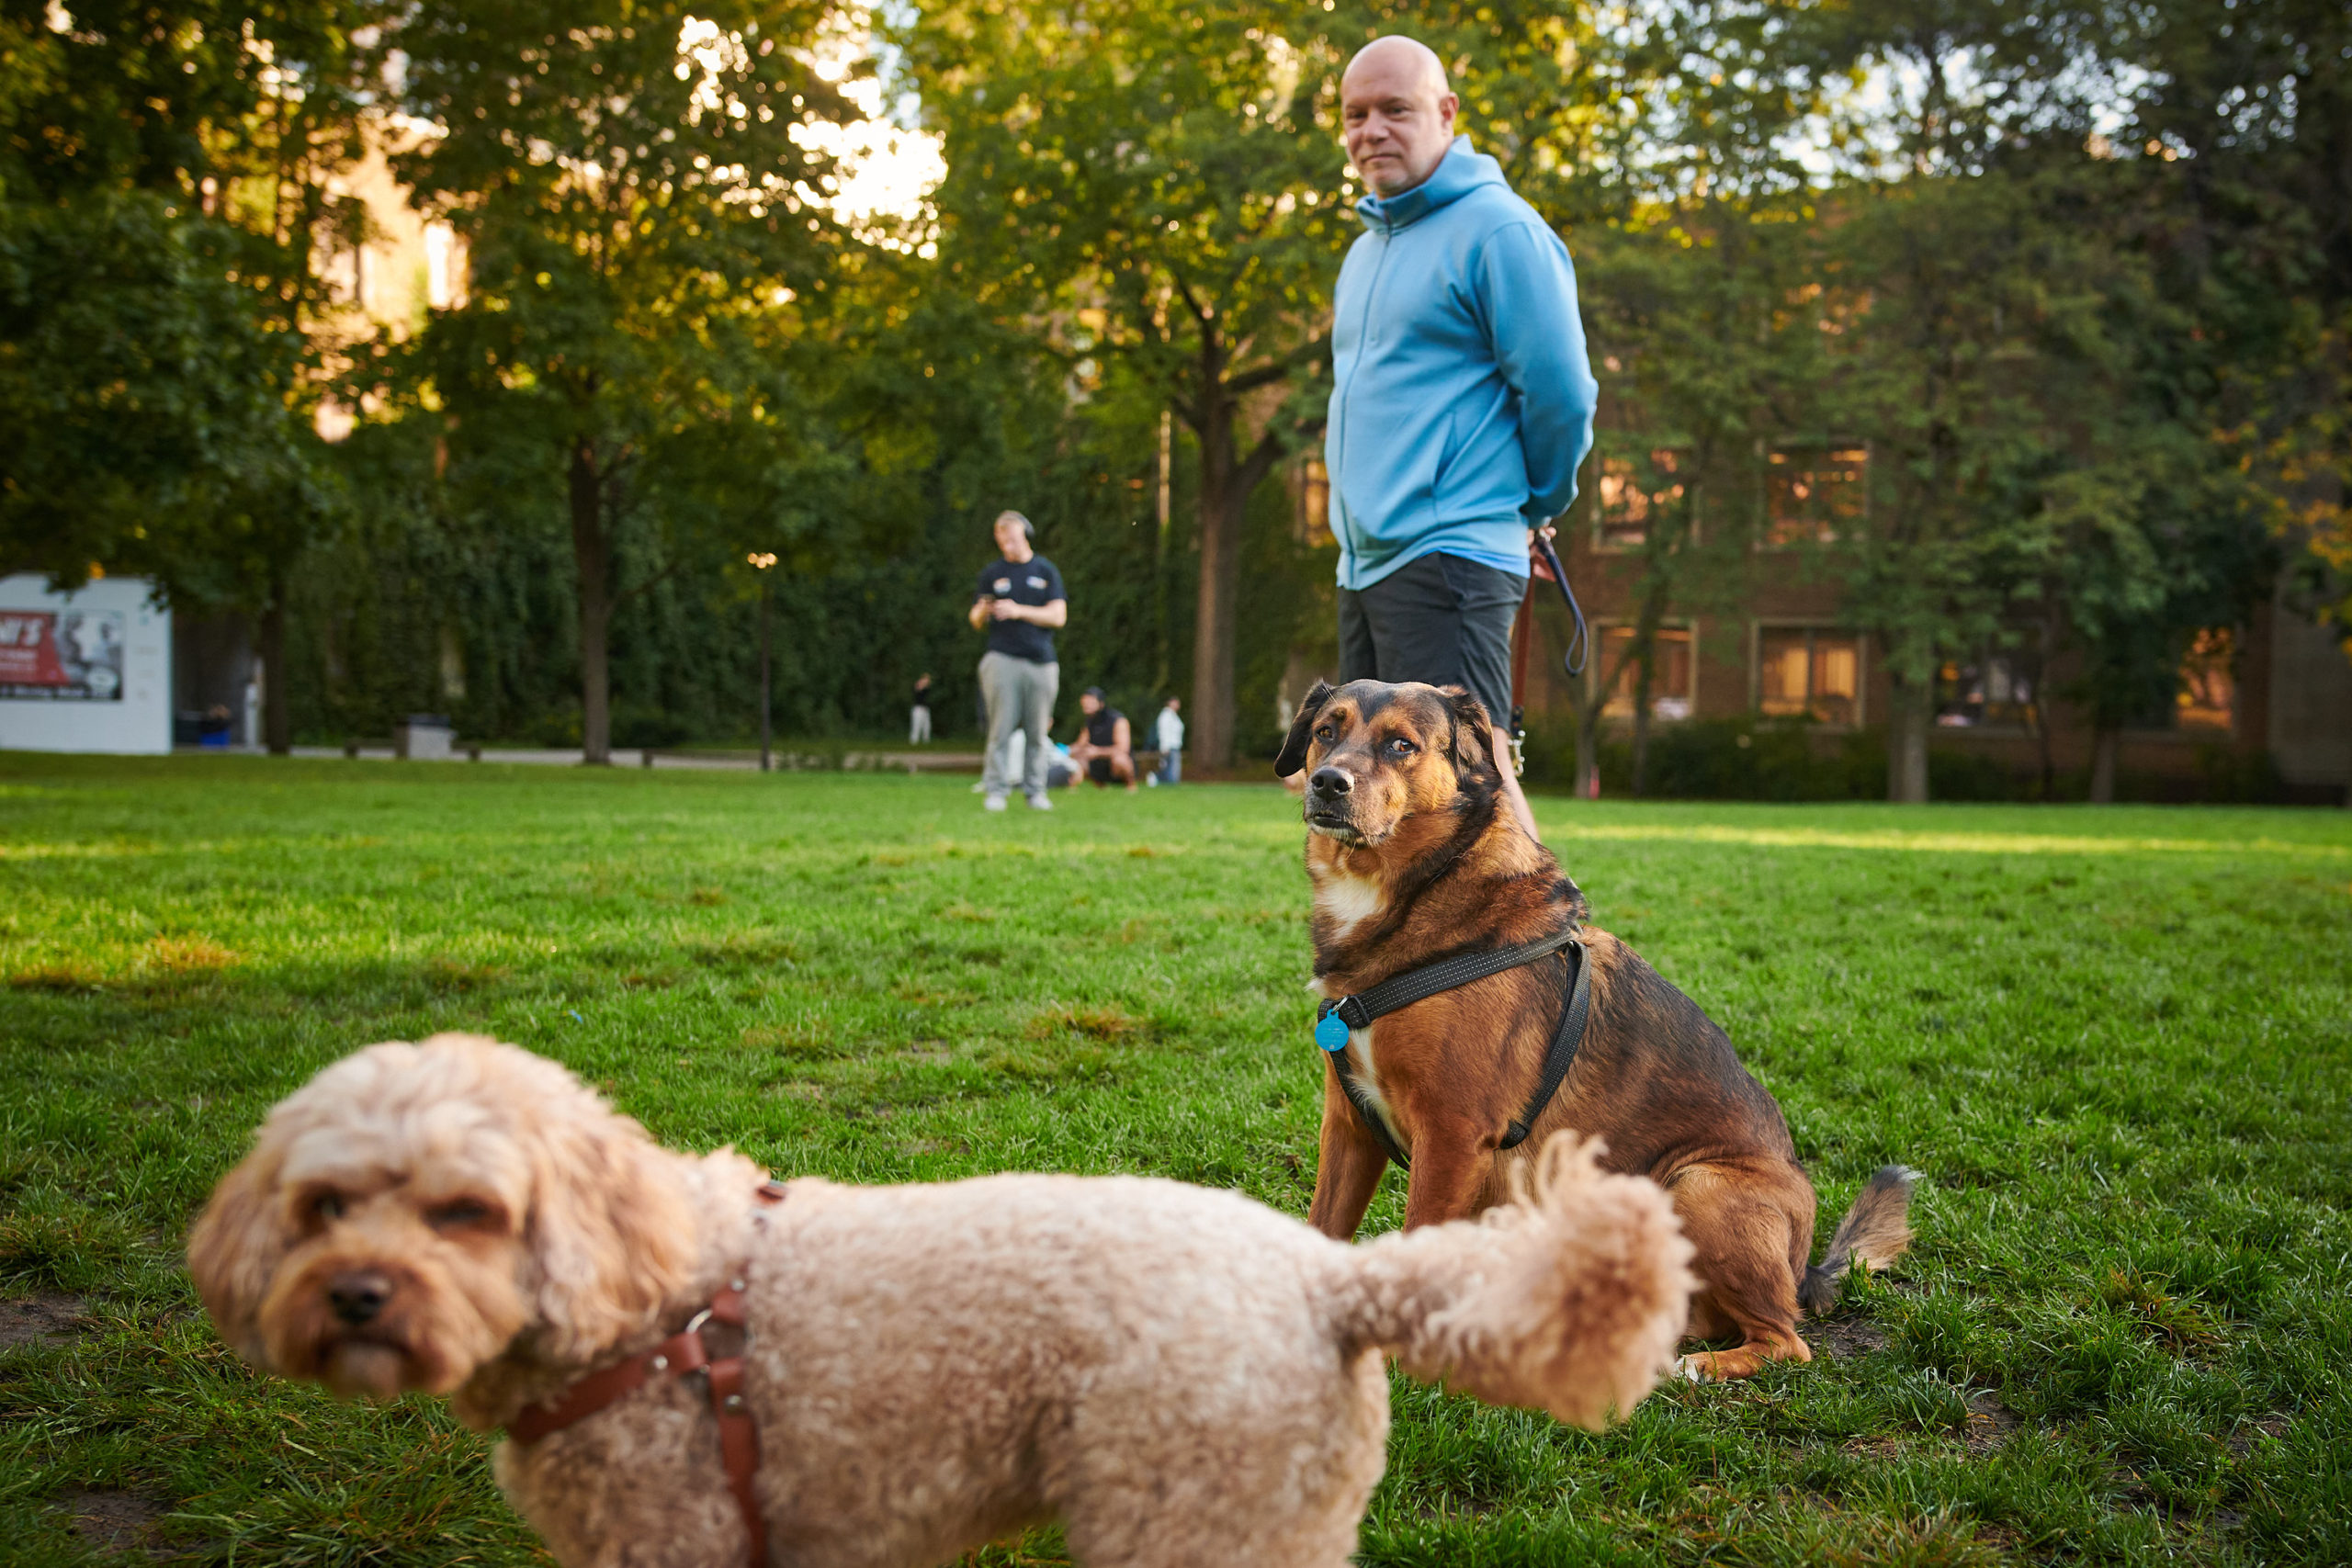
[1019, 697]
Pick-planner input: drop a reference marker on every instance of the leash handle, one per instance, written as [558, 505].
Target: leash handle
[1580, 640]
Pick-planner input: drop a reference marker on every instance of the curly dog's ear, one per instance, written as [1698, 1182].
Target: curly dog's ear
[1302, 731]
[1471, 744]
[609, 1225]
[235, 1246]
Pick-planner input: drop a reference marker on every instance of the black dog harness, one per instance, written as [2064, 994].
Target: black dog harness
[1334, 1019]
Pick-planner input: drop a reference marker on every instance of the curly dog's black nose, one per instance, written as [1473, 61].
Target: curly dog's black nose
[1330, 782]
[359, 1295]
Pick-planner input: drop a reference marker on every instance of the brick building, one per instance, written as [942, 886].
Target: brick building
[2274, 693]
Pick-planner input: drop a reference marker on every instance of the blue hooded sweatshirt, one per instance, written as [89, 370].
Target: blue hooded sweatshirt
[1462, 402]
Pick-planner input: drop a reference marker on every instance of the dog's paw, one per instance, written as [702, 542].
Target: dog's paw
[1691, 1368]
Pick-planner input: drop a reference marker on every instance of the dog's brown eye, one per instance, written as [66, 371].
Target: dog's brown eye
[1401, 746]
[327, 1206]
[1323, 732]
[457, 1213]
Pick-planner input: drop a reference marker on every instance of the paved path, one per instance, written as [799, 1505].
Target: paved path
[740, 762]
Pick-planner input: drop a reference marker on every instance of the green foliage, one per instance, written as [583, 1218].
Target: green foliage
[2114, 1040]
[637, 213]
[1161, 186]
[144, 421]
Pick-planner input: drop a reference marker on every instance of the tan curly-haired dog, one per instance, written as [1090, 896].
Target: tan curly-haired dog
[1179, 1375]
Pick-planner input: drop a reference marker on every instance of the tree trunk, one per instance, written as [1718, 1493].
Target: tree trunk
[1907, 746]
[591, 557]
[2104, 745]
[1218, 509]
[276, 721]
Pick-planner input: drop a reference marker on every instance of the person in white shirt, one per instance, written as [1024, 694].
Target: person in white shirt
[1167, 734]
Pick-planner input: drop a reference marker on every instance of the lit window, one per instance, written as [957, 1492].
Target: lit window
[1627, 498]
[1991, 689]
[1673, 672]
[1812, 493]
[1809, 673]
[2208, 698]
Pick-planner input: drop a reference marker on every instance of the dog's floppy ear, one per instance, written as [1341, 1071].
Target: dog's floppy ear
[1302, 731]
[235, 1247]
[1471, 743]
[610, 1225]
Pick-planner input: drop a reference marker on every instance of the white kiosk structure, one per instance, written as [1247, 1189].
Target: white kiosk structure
[88, 671]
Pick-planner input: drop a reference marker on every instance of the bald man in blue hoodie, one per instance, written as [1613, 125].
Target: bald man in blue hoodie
[1463, 401]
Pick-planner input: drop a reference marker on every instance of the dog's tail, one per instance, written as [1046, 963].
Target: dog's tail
[1874, 1233]
[1569, 1299]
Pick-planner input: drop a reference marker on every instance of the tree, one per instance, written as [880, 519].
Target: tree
[165, 191]
[645, 224]
[1163, 185]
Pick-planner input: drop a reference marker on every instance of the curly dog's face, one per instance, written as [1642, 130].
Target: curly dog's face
[409, 1213]
[1376, 754]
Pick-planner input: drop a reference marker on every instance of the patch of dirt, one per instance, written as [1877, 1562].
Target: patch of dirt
[115, 1521]
[2241, 1443]
[42, 1319]
[1990, 1423]
[1843, 1338]
[1095, 1023]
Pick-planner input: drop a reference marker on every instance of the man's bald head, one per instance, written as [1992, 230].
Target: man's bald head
[1397, 112]
[1406, 58]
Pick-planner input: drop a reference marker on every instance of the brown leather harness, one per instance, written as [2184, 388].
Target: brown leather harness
[682, 1353]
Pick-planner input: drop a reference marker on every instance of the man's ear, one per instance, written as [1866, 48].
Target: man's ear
[1471, 743]
[1302, 731]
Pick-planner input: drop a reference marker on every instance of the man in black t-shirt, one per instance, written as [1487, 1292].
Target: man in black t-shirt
[1019, 602]
[1105, 743]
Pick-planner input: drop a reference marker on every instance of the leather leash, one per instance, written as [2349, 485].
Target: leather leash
[682, 1353]
[1336, 1020]
[1543, 563]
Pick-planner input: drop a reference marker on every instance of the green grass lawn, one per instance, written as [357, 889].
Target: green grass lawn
[2116, 1041]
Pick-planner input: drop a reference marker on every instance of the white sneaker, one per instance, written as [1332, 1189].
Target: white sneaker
[1151, 781]
[993, 803]
[1041, 803]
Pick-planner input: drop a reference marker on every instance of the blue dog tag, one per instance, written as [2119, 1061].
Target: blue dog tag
[1332, 1032]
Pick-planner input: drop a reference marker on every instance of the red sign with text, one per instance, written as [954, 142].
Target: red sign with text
[29, 649]
[61, 656]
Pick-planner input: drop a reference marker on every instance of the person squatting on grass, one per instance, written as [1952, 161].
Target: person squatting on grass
[1105, 745]
[1461, 402]
[1019, 602]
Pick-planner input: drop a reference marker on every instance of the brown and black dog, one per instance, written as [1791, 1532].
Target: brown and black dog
[1412, 862]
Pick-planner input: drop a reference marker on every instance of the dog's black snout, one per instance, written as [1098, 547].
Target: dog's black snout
[1331, 781]
[359, 1295]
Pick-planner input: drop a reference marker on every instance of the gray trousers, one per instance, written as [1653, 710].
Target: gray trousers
[1020, 695]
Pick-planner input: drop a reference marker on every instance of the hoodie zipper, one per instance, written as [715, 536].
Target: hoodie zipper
[1372, 290]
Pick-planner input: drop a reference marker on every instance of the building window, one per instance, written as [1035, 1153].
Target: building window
[1809, 673]
[444, 262]
[1812, 493]
[1992, 690]
[1621, 522]
[1674, 670]
[2208, 697]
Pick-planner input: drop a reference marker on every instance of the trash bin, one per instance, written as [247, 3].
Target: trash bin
[422, 737]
